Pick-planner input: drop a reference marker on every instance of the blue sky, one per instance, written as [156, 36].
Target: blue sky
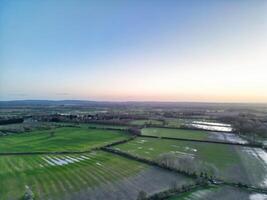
[134, 50]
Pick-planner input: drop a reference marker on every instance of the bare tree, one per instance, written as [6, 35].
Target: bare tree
[141, 195]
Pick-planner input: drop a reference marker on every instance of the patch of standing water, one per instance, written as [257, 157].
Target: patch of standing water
[212, 128]
[201, 194]
[227, 137]
[261, 155]
[183, 153]
[141, 141]
[48, 161]
[85, 157]
[59, 160]
[212, 123]
[190, 149]
[258, 197]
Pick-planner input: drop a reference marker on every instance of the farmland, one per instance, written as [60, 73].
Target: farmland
[124, 153]
[133, 100]
[193, 134]
[227, 162]
[175, 133]
[60, 139]
[76, 176]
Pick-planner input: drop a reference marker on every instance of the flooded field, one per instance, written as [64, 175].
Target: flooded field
[226, 137]
[220, 193]
[228, 162]
[212, 126]
[194, 134]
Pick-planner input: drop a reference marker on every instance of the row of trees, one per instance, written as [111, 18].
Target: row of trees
[174, 190]
[191, 165]
[11, 121]
[249, 125]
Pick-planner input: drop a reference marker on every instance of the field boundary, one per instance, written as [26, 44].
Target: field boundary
[107, 128]
[163, 195]
[176, 191]
[47, 152]
[183, 128]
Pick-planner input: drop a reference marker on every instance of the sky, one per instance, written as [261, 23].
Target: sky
[134, 50]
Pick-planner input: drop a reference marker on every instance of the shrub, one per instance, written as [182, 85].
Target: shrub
[28, 195]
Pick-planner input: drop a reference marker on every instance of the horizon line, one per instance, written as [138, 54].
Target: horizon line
[135, 101]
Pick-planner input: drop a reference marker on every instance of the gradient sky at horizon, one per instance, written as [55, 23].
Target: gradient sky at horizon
[120, 50]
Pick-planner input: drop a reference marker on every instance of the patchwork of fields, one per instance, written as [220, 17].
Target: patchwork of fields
[228, 162]
[63, 139]
[79, 176]
[101, 175]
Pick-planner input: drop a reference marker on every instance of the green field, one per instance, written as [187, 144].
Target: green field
[54, 180]
[228, 162]
[64, 139]
[102, 175]
[176, 133]
[27, 127]
[79, 176]
[151, 148]
[193, 135]
[146, 121]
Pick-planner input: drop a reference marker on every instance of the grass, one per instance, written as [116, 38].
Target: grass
[229, 162]
[176, 133]
[49, 181]
[97, 171]
[232, 163]
[220, 155]
[64, 139]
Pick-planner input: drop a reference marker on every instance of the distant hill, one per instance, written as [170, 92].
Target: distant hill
[48, 103]
[16, 103]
